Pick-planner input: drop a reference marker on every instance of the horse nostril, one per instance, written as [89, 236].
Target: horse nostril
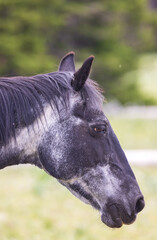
[139, 204]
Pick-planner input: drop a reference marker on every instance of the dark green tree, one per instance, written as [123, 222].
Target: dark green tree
[34, 34]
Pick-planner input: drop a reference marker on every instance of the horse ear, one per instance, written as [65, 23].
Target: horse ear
[67, 63]
[82, 74]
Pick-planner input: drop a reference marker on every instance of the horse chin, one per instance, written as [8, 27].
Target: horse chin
[115, 216]
[107, 220]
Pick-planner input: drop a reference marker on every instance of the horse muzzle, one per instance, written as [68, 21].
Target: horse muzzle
[115, 215]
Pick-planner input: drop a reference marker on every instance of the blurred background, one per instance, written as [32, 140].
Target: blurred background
[34, 35]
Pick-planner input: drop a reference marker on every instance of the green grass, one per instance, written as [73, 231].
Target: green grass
[147, 75]
[135, 133]
[35, 206]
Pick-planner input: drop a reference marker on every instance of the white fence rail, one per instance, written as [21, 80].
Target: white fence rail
[142, 157]
[132, 112]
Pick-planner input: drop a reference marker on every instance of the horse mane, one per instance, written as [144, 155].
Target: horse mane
[22, 98]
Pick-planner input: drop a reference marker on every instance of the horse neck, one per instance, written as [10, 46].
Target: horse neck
[25, 148]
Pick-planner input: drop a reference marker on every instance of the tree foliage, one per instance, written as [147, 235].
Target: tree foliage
[34, 34]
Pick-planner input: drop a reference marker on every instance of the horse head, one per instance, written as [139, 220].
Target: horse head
[82, 151]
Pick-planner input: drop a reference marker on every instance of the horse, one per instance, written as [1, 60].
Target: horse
[56, 122]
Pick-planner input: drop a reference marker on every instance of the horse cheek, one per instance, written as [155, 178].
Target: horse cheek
[47, 162]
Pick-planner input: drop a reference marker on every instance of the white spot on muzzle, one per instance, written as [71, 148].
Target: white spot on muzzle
[112, 184]
[113, 188]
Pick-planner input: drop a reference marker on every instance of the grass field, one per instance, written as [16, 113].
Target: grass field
[35, 206]
[135, 133]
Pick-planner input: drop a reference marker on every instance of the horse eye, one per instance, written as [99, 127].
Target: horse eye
[99, 129]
